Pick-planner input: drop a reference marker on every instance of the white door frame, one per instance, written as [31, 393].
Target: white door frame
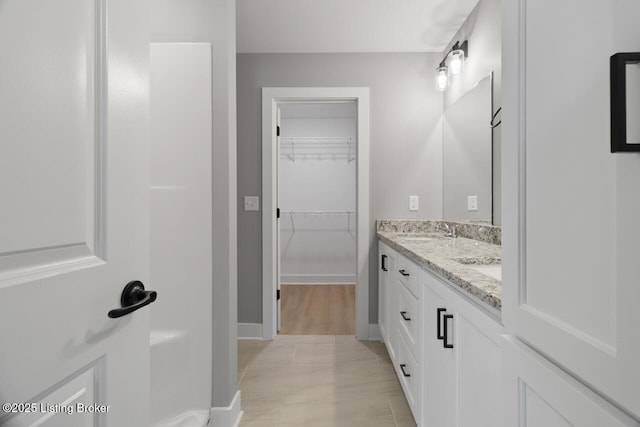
[271, 96]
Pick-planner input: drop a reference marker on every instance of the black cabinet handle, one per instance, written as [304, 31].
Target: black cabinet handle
[402, 366]
[439, 335]
[133, 297]
[384, 263]
[445, 340]
[404, 273]
[404, 315]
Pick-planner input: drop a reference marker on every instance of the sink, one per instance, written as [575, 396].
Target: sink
[491, 270]
[489, 266]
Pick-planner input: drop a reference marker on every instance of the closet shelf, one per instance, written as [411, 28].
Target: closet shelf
[293, 214]
[319, 148]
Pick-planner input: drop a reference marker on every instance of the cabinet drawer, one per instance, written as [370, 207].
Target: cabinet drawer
[408, 318]
[408, 274]
[408, 372]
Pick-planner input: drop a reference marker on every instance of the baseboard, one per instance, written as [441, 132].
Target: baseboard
[318, 279]
[229, 416]
[249, 331]
[374, 332]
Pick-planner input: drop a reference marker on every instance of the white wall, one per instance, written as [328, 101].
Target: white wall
[317, 248]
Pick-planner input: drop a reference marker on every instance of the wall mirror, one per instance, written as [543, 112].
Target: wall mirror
[468, 175]
[625, 102]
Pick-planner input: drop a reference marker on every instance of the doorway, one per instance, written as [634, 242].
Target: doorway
[317, 200]
[358, 225]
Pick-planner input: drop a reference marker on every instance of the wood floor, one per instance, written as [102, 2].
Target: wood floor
[318, 309]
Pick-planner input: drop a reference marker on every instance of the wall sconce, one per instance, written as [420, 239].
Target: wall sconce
[452, 64]
[442, 80]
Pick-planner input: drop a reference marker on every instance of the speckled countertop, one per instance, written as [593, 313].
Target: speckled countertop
[450, 257]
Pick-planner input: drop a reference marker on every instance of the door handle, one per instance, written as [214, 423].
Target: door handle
[404, 315]
[402, 366]
[384, 262]
[439, 311]
[404, 273]
[445, 340]
[133, 297]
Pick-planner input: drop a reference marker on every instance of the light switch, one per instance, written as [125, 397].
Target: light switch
[472, 203]
[251, 203]
[413, 203]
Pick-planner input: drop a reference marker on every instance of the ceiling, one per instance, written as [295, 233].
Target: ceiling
[329, 26]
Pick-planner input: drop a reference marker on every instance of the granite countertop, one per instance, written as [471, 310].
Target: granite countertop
[452, 258]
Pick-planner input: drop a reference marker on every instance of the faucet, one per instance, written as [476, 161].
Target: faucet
[448, 231]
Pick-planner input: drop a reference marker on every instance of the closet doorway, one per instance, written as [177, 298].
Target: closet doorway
[317, 201]
[315, 164]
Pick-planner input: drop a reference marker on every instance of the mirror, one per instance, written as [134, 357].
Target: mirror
[468, 175]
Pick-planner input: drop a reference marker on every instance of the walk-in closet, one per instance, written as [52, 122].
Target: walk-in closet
[317, 200]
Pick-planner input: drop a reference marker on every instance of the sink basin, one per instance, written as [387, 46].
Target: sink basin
[491, 270]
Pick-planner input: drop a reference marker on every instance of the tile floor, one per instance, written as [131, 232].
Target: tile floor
[319, 380]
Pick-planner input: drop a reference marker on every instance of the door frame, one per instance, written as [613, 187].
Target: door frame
[271, 96]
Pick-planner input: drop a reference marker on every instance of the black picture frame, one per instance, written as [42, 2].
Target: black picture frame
[618, 75]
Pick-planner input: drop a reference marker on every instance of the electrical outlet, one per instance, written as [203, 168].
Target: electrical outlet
[251, 203]
[414, 203]
[472, 203]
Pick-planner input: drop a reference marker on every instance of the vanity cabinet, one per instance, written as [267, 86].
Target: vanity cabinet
[445, 349]
[461, 374]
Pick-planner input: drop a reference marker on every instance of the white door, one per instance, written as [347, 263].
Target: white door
[74, 218]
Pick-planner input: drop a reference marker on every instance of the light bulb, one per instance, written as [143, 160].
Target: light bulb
[442, 79]
[456, 62]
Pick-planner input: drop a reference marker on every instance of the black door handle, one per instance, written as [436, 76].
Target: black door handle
[402, 366]
[404, 315]
[404, 273]
[445, 344]
[439, 311]
[133, 297]
[384, 262]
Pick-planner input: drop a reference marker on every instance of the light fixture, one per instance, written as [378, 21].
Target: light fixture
[452, 64]
[442, 79]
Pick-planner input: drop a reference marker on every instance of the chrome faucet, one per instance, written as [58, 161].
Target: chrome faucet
[448, 231]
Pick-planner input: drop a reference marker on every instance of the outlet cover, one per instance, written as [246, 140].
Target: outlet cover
[414, 203]
[251, 203]
[472, 203]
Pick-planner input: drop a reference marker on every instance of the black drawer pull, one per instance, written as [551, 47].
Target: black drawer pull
[384, 262]
[404, 273]
[439, 334]
[402, 366]
[404, 315]
[445, 343]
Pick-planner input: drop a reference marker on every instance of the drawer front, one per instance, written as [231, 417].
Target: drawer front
[408, 318]
[408, 373]
[408, 274]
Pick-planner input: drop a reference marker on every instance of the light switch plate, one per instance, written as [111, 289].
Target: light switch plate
[251, 203]
[414, 203]
[472, 203]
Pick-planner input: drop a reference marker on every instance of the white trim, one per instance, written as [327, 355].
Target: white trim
[228, 416]
[270, 97]
[249, 331]
[374, 332]
[318, 279]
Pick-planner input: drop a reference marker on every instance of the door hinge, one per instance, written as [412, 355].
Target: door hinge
[277, 130]
[277, 212]
[278, 295]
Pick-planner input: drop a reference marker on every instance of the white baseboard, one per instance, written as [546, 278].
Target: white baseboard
[374, 332]
[228, 416]
[249, 331]
[318, 279]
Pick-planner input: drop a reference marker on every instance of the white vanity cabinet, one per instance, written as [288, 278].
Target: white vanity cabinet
[461, 375]
[445, 349]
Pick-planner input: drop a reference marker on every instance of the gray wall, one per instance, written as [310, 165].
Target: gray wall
[214, 21]
[483, 29]
[406, 144]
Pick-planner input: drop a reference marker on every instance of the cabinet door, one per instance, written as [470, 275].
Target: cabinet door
[477, 347]
[537, 393]
[440, 377]
[571, 272]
